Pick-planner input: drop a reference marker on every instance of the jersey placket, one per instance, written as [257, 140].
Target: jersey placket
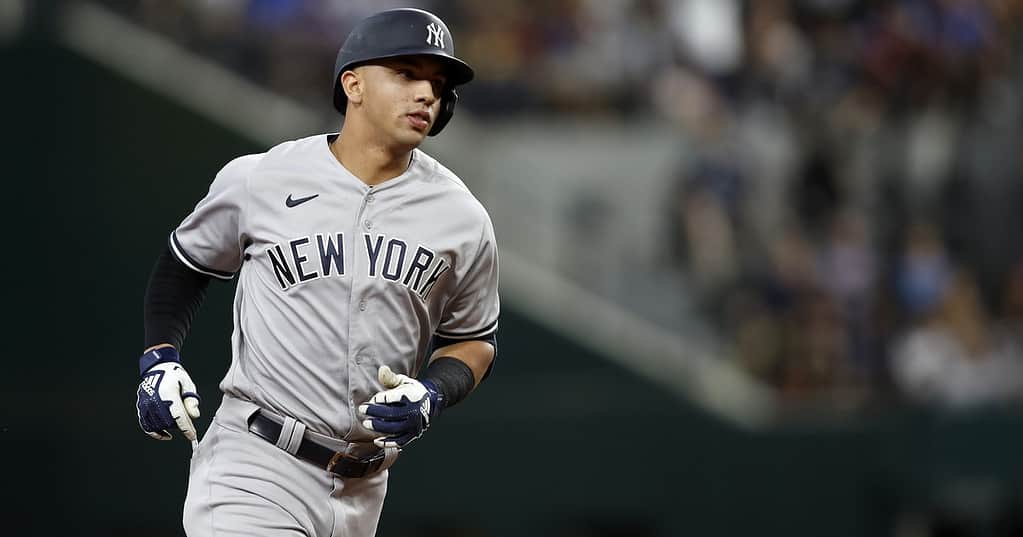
[357, 302]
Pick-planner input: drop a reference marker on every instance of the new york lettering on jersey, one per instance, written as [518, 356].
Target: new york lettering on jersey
[307, 258]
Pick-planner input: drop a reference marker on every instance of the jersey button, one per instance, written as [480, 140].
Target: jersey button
[368, 224]
[362, 305]
[370, 198]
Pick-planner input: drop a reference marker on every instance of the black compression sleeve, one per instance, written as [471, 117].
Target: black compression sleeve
[452, 377]
[173, 297]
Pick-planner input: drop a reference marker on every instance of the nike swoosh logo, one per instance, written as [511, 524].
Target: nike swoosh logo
[293, 202]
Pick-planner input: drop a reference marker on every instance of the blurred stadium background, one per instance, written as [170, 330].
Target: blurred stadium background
[762, 260]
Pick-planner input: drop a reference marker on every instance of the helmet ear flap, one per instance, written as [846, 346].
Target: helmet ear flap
[447, 109]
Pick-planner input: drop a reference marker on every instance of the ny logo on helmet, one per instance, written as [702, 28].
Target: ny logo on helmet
[435, 36]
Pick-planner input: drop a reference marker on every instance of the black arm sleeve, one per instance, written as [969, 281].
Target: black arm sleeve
[173, 297]
[452, 377]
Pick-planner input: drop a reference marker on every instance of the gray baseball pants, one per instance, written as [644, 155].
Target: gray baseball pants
[241, 485]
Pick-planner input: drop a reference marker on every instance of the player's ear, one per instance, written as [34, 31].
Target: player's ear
[352, 85]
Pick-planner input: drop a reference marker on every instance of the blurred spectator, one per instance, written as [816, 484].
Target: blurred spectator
[848, 272]
[951, 355]
[1012, 305]
[793, 329]
[924, 271]
[705, 213]
[816, 362]
[710, 33]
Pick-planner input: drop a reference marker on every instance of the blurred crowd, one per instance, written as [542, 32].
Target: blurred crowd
[852, 212]
[850, 205]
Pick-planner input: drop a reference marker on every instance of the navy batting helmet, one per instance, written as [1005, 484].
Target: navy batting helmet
[403, 32]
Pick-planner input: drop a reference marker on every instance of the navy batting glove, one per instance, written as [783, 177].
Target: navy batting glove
[403, 411]
[166, 397]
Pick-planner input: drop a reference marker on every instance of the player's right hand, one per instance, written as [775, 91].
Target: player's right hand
[402, 411]
[167, 400]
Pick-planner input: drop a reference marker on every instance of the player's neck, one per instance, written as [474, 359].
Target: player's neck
[369, 160]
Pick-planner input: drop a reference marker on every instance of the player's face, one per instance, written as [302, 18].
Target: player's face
[403, 95]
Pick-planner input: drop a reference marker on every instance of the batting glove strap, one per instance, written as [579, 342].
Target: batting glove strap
[436, 398]
[158, 356]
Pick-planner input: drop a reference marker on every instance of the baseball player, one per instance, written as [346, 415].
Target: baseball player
[366, 300]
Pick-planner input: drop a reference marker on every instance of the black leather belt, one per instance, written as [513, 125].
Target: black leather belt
[335, 462]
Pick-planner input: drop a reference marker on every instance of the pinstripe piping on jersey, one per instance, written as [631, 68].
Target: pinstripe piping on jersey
[468, 335]
[183, 256]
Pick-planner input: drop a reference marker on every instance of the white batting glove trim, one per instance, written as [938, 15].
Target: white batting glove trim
[398, 386]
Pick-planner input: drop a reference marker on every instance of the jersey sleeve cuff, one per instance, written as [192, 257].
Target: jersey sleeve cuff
[191, 263]
[472, 334]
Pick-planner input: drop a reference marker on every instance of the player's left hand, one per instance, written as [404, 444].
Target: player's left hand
[403, 411]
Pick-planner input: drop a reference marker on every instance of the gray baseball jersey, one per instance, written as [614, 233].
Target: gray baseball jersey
[336, 278]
